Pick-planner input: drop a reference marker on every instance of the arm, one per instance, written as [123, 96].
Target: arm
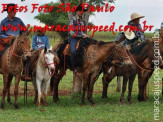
[34, 45]
[22, 24]
[120, 38]
[72, 33]
[2, 33]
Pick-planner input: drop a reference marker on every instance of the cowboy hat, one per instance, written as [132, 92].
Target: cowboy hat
[135, 16]
[80, 8]
[9, 5]
[129, 34]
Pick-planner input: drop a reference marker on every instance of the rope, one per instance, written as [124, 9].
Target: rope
[148, 70]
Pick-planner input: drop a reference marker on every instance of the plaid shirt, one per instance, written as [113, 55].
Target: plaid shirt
[77, 22]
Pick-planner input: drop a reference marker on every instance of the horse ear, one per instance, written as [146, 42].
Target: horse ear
[45, 49]
[20, 33]
[50, 47]
[28, 32]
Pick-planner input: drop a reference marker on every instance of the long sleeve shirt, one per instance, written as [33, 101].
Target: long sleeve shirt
[77, 22]
[138, 33]
[6, 23]
[40, 42]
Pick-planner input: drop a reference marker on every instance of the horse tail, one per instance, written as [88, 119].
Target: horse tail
[56, 46]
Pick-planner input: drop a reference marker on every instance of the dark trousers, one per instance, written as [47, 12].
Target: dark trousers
[73, 41]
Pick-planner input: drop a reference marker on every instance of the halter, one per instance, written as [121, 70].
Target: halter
[46, 64]
[19, 48]
[121, 58]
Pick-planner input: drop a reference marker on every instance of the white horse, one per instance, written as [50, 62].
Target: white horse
[45, 68]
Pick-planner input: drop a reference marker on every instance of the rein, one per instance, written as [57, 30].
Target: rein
[145, 69]
[120, 57]
[51, 74]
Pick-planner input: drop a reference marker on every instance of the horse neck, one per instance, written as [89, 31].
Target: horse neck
[105, 51]
[143, 55]
[16, 47]
[41, 61]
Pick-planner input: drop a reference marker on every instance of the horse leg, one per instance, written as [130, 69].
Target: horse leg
[85, 86]
[56, 84]
[39, 92]
[131, 80]
[141, 85]
[46, 92]
[8, 87]
[35, 88]
[90, 89]
[118, 84]
[5, 81]
[17, 79]
[105, 87]
[125, 79]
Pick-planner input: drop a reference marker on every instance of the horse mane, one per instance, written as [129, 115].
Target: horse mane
[100, 43]
[56, 46]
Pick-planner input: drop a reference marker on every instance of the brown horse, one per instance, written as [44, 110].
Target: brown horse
[11, 64]
[94, 56]
[139, 54]
[65, 63]
[143, 76]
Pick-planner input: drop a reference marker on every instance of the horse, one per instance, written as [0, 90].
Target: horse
[94, 56]
[143, 76]
[65, 63]
[45, 69]
[11, 65]
[138, 54]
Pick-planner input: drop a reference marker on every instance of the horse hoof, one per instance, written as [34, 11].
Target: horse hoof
[16, 107]
[131, 102]
[122, 102]
[83, 105]
[93, 105]
[55, 100]
[9, 103]
[104, 97]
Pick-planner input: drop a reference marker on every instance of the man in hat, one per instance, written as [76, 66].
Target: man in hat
[10, 20]
[40, 40]
[75, 35]
[127, 37]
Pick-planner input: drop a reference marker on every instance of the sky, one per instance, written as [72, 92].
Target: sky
[151, 9]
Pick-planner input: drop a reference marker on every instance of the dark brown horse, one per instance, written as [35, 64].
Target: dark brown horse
[94, 56]
[11, 64]
[143, 76]
[139, 54]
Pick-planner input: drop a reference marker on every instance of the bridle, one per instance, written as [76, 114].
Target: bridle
[47, 64]
[20, 48]
[121, 58]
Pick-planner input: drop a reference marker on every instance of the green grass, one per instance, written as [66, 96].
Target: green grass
[70, 109]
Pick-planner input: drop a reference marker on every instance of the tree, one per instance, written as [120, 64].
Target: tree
[62, 18]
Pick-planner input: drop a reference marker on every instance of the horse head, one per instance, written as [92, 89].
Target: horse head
[120, 54]
[22, 45]
[48, 57]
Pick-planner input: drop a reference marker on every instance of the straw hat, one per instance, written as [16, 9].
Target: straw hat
[135, 16]
[129, 34]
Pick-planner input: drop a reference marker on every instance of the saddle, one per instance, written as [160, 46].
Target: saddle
[4, 42]
[67, 50]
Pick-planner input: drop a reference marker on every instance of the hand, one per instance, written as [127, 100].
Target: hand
[11, 36]
[85, 36]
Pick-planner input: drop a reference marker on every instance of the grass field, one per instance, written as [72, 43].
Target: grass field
[70, 109]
